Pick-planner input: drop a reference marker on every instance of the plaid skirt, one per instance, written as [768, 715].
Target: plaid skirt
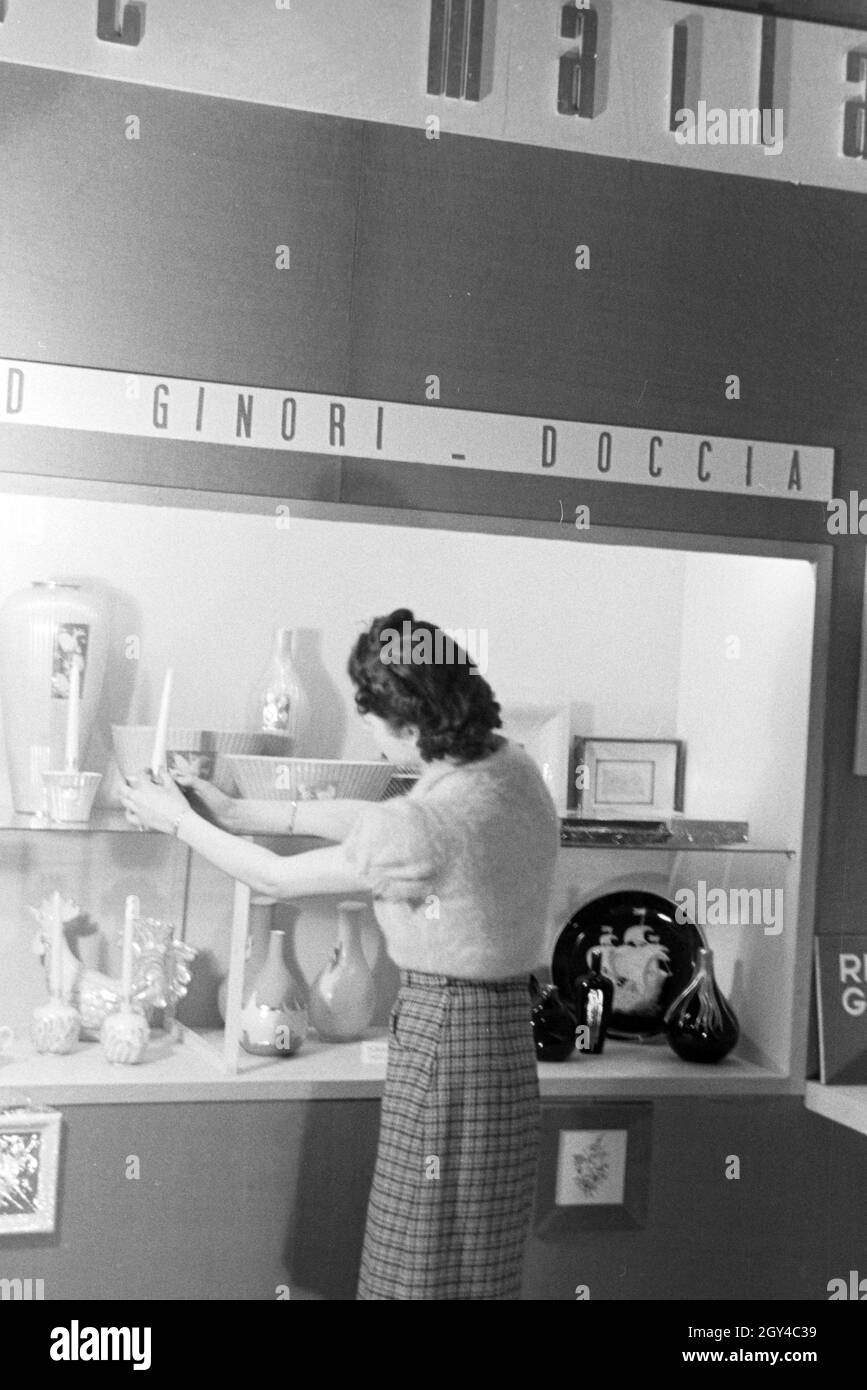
[453, 1188]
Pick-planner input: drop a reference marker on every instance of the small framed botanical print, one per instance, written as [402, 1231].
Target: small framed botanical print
[594, 1168]
[29, 1165]
[627, 778]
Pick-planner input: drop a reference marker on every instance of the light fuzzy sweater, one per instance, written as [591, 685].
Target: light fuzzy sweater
[461, 869]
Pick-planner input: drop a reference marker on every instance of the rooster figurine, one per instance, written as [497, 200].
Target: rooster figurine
[160, 973]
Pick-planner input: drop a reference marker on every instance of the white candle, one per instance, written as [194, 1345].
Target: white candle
[56, 970]
[73, 716]
[158, 757]
[130, 917]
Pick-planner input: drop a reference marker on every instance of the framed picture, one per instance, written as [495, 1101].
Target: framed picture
[627, 778]
[594, 1168]
[29, 1164]
[543, 731]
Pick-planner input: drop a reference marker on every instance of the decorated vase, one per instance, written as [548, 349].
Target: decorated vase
[55, 1027]
[274, 1019]
[592, 997]
[42, 630]
[700, 1024]
[280, 702]
[343, 996]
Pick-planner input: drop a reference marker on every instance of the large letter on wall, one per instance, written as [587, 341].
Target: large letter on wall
[119, 23]
[454, 65]
[767, 59]
[679, 56]
[854, 133]
[577, 82]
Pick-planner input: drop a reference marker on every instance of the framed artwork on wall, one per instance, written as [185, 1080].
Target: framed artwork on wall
[594, 1168]
[627, 778]
[29, 1167]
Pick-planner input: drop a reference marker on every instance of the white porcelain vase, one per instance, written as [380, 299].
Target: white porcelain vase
[280, 704]
[343, 997]
[274, 1019]
[42, 630]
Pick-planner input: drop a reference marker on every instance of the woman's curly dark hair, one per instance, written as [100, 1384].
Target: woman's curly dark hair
[446, 696]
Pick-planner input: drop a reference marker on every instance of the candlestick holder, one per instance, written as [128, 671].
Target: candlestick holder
[55, 1026]
[69, 796]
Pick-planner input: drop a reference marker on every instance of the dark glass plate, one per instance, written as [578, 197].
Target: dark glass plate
[647, 953]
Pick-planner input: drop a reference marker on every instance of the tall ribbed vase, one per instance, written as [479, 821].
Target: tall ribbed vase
[42, 630]
[343, 997]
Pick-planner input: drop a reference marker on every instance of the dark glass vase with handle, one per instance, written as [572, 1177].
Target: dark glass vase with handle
[553, 1023]
[593, 996]
[700, 1024]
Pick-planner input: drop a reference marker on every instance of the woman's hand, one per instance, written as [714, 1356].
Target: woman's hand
[221, 808]
[153, 805]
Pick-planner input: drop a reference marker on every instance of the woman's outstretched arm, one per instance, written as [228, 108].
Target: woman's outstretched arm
[332, 820]
[298, 876]
[162, 806]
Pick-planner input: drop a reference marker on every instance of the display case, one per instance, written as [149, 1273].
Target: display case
[666, 641]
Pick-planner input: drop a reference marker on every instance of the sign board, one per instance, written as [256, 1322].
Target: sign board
[303, 422]
[760, 96]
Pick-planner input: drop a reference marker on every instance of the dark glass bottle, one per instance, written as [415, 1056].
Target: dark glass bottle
[593, 995]
[553, 1023]
[700, 1023]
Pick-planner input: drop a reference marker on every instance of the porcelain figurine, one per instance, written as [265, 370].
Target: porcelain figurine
[56, 1024]
[125, 1036]
[161, 974]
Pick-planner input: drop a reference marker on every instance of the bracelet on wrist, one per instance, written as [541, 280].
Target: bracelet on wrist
[177, 821]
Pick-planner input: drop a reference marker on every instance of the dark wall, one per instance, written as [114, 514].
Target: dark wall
[236, 1199]
[412, 257]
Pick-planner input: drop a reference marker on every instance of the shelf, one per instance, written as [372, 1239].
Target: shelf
[108, 821]
[102, 820]
[113, 821]
[846, 1105]
[191, 1070]
[680, 847]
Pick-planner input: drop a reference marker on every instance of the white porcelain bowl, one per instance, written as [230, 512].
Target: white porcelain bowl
[204, 752]
[309, 779]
